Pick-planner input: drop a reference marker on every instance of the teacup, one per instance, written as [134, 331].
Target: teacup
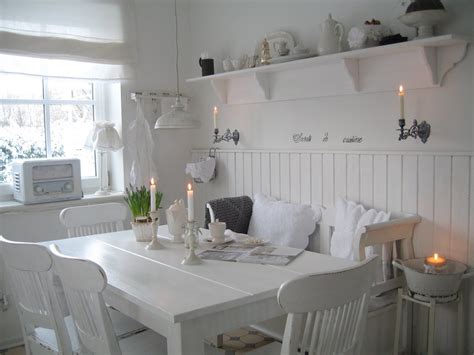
[217, 230]
[280, 48]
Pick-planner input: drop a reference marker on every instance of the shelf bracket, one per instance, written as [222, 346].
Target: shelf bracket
[352, 68]
[263, 84]
[449, 57]
[220, 88]
[430, 60]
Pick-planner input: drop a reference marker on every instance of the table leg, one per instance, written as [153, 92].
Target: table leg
[183, 340]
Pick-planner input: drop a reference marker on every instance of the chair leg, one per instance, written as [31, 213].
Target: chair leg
[431, 328]
[398, 323]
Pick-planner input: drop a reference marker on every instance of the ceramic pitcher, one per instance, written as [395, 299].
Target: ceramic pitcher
[176, 218]
[330, 40]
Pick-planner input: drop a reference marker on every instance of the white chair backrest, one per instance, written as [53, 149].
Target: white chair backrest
[327, 312]
[83, 282]
[29, 266]
[93, 219]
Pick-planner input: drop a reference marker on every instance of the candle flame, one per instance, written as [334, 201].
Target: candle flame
[400, 91]
[215, 109]
[436, 256]
[190, 187]
[152, 182]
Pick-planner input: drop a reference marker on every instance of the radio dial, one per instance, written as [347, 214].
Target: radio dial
[38, 189]
[67, 186]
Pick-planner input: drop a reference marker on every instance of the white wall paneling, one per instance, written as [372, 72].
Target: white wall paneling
[437, 186]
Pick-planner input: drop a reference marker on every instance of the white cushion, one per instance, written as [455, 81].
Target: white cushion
[350, 217]
[282, 223]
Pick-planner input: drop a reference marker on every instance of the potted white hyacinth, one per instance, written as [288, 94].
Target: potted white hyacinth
[138, 200]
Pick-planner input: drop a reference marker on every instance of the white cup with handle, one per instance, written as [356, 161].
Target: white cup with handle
[217, 230]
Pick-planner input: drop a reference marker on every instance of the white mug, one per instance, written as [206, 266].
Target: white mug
[217, 230]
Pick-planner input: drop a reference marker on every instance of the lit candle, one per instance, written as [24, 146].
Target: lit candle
[190, 203]
[215, 116]
[152, 195]
[401, 93]
[435, 260]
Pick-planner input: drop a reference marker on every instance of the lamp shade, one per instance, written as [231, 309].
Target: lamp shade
[177, 118]
[103, 137]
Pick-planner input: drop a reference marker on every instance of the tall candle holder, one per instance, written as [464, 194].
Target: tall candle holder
[190, 242]
[155, 222]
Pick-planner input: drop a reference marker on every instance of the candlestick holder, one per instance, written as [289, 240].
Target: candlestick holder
[155, 222]
[421, 130]
[190, 243]
[227, 136]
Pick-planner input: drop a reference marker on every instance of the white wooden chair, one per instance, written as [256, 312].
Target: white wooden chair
[96, 219]
[93, 219]
[327, 312]
[397, 233]
[83, 282]
[45, 331]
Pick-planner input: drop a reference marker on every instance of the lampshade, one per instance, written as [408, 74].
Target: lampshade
[177, 118]
[103, 137]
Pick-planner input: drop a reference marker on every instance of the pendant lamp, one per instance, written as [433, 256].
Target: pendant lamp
[177, 117]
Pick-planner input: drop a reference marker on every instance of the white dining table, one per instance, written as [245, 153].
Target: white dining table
[187, 303]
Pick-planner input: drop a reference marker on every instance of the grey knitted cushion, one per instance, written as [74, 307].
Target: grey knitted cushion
[234, 211]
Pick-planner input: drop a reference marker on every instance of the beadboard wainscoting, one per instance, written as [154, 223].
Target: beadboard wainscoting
[437, 186]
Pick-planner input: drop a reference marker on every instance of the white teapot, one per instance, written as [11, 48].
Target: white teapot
[330, 40]
[176, 219]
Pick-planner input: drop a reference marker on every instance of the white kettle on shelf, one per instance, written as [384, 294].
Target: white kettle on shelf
[330, 39]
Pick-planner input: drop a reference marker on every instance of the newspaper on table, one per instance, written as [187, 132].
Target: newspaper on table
[268, 254]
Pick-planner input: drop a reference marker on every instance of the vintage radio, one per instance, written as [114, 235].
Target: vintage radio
[46, 180]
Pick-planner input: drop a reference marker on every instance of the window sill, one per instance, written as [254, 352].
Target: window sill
[17, 207]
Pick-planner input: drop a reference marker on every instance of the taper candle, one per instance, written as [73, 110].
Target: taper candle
[190, 203]
[401, 93]
[215, 112]
[152, 195]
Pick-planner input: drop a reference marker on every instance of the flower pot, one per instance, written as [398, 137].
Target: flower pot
[142, 231]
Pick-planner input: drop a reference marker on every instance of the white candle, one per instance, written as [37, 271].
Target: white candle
[152, 195]
[190, 203]
[215, 116]
[401, 93]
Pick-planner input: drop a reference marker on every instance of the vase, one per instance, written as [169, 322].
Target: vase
[142, 231]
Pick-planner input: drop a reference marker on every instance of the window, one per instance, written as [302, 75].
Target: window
[46, 117]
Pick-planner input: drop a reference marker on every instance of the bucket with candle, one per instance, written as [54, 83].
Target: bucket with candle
[433, 277]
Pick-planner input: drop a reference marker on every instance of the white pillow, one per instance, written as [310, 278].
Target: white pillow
[282, 223]
[351, 216]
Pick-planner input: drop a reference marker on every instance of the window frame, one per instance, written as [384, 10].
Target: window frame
[89, 183]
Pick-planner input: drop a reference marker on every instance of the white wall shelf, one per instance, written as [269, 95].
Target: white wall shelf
[415, 64]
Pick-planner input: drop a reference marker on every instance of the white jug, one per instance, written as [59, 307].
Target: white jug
[330, 40]
[176, 219]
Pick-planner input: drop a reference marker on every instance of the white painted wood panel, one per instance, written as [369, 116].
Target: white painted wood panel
[305, 178]
[316, 179]
[239, 174]
[285, 176]
[340, 175]
[256, 173]
[295, 178]
[266, 173]
[380, 181]
[367, 180]
[353, 177]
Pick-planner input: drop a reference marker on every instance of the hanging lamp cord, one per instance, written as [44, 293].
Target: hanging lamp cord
[177, 47]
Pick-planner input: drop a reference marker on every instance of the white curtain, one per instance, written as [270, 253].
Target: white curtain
[91, 39]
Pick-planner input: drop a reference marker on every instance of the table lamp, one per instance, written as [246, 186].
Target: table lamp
[103, 138]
